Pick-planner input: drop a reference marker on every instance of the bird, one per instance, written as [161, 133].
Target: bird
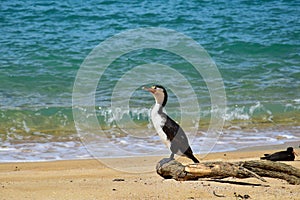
[169, 131]
[288, 155]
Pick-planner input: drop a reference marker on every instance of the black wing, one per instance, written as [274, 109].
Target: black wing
[172, 129]
[179, 140]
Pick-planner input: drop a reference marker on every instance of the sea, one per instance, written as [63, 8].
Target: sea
[45, 47]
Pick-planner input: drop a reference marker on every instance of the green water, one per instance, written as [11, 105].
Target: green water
[254, 44]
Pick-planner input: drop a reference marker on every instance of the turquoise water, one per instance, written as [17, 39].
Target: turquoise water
[255, 45]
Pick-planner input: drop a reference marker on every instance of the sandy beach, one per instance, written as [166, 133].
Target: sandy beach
[91, 179]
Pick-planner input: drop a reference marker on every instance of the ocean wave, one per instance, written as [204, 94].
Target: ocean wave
[59, 120]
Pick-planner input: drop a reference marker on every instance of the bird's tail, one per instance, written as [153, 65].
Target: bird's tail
[266, 157]
[194, 159]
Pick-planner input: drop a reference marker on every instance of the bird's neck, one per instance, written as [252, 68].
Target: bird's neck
[158, 108]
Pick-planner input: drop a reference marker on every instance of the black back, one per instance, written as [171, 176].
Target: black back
[179, 141]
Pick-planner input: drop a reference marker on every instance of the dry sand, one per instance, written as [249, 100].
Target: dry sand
[91, 179]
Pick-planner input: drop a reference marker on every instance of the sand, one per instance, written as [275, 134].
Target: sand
[93, 179]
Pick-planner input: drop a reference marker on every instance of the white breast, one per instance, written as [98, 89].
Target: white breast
[158, 122]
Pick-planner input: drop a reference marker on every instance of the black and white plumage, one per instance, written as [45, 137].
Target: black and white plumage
[288, 155]
[168, 130]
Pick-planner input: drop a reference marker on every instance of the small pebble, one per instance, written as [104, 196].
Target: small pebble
[119, 179]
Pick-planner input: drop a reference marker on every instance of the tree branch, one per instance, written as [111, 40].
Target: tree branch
[218, 170]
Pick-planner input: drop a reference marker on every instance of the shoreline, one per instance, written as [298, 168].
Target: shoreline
[93, 179]
[283, 146]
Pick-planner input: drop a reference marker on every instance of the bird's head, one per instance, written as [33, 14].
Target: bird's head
[291, 150]
[160, 94]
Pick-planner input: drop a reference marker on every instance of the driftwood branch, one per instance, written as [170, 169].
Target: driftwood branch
[217, 170]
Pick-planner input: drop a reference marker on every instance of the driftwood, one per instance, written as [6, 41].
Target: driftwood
[217, 170]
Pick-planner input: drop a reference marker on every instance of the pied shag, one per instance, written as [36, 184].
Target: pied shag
[168, 130]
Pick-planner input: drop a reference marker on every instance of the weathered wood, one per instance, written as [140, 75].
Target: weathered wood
[218, 170]
[274, 170]
[271, 166]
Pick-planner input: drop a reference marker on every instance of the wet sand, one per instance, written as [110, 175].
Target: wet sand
[92, 179]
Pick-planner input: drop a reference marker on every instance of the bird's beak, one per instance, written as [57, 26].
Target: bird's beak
[149, 89]
[295, 153]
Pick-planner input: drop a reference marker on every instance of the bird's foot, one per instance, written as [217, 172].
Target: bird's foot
[165, 160]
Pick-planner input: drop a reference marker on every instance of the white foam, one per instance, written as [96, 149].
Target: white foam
[124, 146]
[27, 130]
[297, 100]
